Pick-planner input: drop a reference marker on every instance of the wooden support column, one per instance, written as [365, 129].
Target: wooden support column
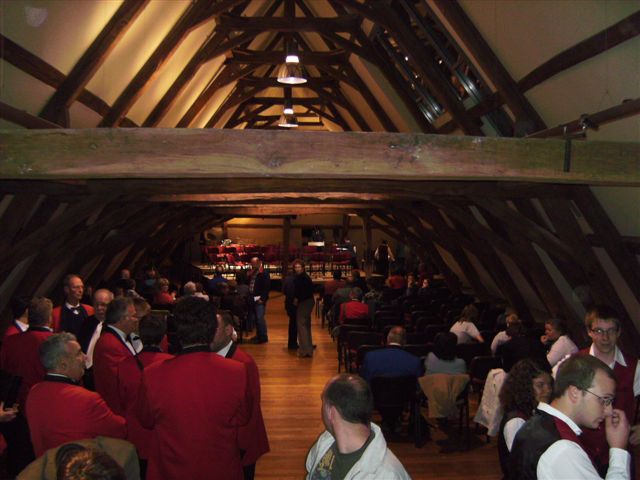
[367, 244]
[286, 241]
[344, 232]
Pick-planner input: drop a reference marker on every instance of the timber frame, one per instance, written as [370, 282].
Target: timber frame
[96, 200]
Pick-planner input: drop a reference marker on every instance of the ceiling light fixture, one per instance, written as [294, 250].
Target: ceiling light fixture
[290, 72]
[288, 121]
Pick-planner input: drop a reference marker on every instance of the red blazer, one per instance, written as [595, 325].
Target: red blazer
[12, 329]
[19, 356]
[195, 403]
[252, 437]
[55, 315]
[109, 351]
[129, 377]
[61, 412]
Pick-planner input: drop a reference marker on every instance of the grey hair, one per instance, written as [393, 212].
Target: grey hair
[54, 349]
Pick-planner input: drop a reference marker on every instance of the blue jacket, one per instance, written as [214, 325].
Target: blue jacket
[391, 361]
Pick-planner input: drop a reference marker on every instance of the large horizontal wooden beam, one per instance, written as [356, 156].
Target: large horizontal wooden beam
[344, 23]
[334, 57]
[190, 153]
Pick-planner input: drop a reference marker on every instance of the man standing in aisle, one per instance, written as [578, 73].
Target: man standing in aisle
[259, 286]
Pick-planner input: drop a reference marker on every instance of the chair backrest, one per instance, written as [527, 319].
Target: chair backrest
[432, 330]
[393, 391]
[345, 329]
[417, 337]
[355, 339]
[481, 365]
[468, 351]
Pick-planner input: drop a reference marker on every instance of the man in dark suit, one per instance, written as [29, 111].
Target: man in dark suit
[113, 346]
[252, 437]
[195, 403]
[259, 286]
[19, 357]
[69, 316]
[60, 410]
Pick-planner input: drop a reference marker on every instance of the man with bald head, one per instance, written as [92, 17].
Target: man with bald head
[70, 316]
[352, 446]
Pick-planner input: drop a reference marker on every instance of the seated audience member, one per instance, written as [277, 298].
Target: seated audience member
[149, 282]
[114, 345]
[396, 281]
[526, 386]
[425, 289]
[359, 281]
[513, 325]
[129, 374]
[163, 296]
[69, 316]
[354, 308]
[252, 437]
[190, 289]
[443, 358]
[59, 409]
[556, 341]
[75, 462]
[194, 403]
[19, 313]
[520, 345]
[20, 357]
[391, 361]
[548, 445]
[218, 278]
[351, 446]
[412, 286]
[465, 328]
[337, 282]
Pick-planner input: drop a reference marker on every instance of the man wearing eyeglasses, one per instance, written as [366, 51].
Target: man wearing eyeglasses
[603, 326]
[549, 445]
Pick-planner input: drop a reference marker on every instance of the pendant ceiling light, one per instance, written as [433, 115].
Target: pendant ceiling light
[288, 121]
[290, 72]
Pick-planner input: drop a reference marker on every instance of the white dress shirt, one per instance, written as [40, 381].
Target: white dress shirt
[510, 429]
[92, 345]
[565, 459]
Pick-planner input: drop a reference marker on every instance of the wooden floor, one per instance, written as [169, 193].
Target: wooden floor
[291, 390]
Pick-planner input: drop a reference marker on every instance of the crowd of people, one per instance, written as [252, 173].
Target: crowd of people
[95, 384]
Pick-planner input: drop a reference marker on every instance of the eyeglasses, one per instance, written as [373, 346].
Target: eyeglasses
[604, 401]
[601, 332]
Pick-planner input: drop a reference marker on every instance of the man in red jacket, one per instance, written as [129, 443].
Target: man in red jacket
[252, 437]
[60, 410]
[194, 403]
[19, 357]
[70, 316]
[20, 313]
[152, 331]
[114, 346]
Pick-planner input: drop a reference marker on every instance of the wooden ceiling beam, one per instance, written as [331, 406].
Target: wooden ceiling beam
[139, 153]
[490, 63]
[56, 108]
[236, 97]
[24, 119]
[338, 121]
[155, 62]
[343, 23]
[32, 65]
[621, 31]
[272, 82]
[203, 54]
[276, 57]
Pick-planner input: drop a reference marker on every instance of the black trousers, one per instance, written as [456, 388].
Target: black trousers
[293, 326]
